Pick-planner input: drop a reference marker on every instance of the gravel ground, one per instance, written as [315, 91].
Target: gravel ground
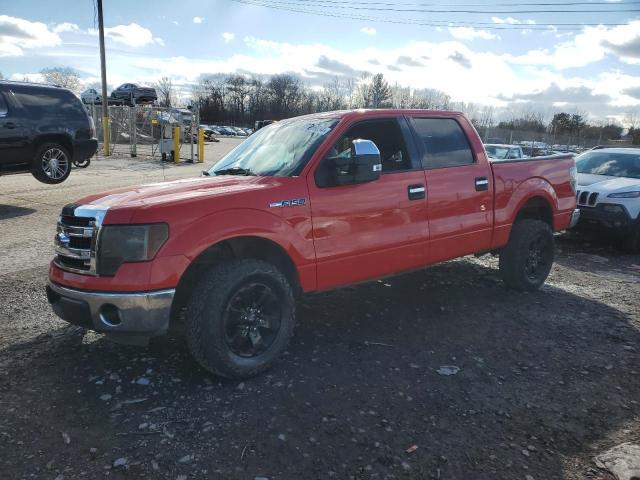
[538, 383]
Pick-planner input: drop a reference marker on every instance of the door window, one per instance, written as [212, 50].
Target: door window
[445, 144]
[386, 134]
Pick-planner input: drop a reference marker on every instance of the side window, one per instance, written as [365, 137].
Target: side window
[386, 134]
[52, 103]
[4, 109]
[445, 144]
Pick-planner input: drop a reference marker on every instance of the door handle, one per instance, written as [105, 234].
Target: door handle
[416, 192]
[482, 184]
[10, 125]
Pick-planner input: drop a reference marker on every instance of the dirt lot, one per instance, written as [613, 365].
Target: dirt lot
[546, 380]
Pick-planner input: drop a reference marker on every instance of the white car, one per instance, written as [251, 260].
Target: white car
[504, 152]
[90, 96]
[608, 192]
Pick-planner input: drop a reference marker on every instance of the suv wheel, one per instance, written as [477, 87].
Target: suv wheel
[525, 262]
[51, 164]
[240, 318]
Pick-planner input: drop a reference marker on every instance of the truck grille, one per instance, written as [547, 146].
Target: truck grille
[75, 243]
[586, 199]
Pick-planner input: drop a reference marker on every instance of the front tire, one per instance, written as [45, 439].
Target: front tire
[525, 262]
[240, 318]
[51, 164]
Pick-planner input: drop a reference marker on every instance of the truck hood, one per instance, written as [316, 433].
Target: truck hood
[147, 196]
[607, 184]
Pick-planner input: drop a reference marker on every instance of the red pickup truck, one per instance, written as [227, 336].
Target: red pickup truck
[306, 204]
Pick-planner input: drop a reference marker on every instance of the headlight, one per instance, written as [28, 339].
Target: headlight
[129, 243]
[635, 194]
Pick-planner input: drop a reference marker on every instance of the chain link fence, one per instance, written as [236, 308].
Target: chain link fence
[541, 140]
[147, 131]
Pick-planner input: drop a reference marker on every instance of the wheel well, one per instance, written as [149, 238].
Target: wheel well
[536, 208]
[58, 138]
[236, 248]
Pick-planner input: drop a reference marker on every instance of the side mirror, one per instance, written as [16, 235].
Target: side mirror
[362, 166]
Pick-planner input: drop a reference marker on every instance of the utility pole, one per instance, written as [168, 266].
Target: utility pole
[105, 100]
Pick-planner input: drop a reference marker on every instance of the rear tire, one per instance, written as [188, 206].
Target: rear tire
[525, 262]
[51, 163]
[240, 318]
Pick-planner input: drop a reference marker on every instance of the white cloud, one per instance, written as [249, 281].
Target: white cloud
[512, 21]
[470, 33]
[368, 30]
[198, 19]
[132, 35]
[175, 22]
[589, 46]
[228, 37]
[66, 27]
[18, 35]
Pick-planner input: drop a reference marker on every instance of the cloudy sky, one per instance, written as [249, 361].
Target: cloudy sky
[507, 53]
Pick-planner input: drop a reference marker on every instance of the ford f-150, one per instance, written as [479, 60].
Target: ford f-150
[303, 205]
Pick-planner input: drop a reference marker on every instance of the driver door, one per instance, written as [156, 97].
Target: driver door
[370, 230]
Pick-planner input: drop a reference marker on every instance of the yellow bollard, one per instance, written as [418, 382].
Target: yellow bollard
[176, 144]
[106, 136]
[201, 145]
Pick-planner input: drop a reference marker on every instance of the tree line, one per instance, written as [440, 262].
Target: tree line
[238, 99]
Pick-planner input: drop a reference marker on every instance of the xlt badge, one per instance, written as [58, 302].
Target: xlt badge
[294, 202]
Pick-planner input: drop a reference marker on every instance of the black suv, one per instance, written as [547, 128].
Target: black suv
[42, 130]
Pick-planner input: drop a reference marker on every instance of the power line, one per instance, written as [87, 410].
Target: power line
[516, 4]
[368, 7]
[273, 4]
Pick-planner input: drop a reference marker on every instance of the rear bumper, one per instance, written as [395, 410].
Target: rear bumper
[143, 314]
[83, 149]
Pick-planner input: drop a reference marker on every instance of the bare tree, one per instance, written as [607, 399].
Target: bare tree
[165, 91]
[239, 89]
[65, 77]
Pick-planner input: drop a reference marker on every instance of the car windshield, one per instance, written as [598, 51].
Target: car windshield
[495, 151]
[280, 149]
[610, 164]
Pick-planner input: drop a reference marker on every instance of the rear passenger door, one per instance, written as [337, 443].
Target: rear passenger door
[459, 189]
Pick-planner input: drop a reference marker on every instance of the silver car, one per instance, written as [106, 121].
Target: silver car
[91, 96]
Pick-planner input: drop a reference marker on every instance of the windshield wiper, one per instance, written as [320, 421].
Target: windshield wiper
[234, 171]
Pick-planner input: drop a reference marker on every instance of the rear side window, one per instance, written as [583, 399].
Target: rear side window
[52, 102]
[3, 106]
[445, 144]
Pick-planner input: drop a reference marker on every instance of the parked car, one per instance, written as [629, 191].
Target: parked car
[91, 96]
[504, 152]
[307, 204]
[43, 129]
[129, 93]
[609, 193]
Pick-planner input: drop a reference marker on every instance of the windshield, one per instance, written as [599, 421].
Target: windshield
[497, 152]
[610, 164]
[280, 149]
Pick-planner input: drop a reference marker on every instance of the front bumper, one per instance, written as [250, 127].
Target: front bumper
[83, 149]
[144, 314]
[602, 216]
